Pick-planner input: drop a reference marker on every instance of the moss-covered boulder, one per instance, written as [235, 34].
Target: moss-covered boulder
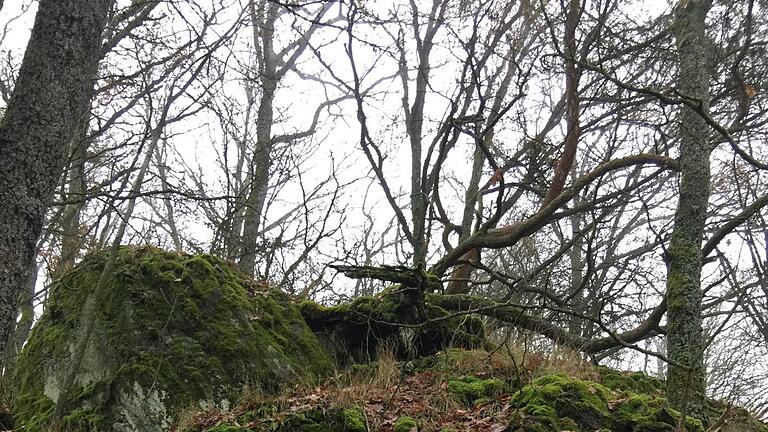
[353, 332]
[559, 402]
[173, 331]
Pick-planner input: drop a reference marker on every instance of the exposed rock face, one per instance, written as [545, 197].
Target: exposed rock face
[176, 332]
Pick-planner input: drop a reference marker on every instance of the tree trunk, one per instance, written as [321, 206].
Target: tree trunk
[20, 334]
[71, 236]
[686, 385]
[262, 156]
[54, 82]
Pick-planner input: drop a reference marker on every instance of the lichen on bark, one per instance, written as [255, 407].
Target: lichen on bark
[686, 383]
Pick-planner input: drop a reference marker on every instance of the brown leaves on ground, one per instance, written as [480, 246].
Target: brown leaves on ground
[389, 389]
[423, 396]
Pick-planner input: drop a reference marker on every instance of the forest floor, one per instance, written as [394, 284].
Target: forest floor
[467, 391]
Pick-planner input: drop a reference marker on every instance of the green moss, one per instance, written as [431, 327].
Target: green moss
[405, 424]
[320, 420]
[176, 328]
[353, 420]
[559, 402]
[646, 413]
[82, 420]
[469, 389]
[553, 402]
[637, 382]
[226, 428]
[35, 408]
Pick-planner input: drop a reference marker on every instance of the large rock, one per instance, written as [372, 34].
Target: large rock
[173, 332]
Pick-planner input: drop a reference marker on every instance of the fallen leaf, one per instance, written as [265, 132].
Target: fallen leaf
[614, 403]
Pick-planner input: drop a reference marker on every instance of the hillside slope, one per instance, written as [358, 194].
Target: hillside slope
[475, 390]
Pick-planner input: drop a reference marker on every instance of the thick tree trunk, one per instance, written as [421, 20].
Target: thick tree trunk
[686, 385]
[54, 82]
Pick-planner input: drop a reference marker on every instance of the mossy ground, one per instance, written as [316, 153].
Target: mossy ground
[189, 329]
[405, 424]
[473, 391]
[181, 328]
[560, 402]
[460, 390]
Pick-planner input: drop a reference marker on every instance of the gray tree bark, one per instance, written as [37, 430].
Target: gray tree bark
[272, 67]
[54, 82]
[71, 237]
[26, 307]
[686, 383]
[262, 156]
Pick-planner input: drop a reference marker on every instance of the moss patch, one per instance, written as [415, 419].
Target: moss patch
[319, 420]
[636, 412]
[405, 424]
[559, 402]
[471, 390]
[637, 382]
[173, 331]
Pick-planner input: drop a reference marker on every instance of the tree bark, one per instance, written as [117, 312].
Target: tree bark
[262, 156]
[54, 82]
[272, 67]
[71, 236]
[22, 328]
[685, 339]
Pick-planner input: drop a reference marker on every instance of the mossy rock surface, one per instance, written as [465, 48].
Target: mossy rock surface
[353, 332]
[173, 331]
[559, 402]
[472, 390]
[637, 382]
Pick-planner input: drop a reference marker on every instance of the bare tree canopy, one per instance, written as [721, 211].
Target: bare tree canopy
[587, 174]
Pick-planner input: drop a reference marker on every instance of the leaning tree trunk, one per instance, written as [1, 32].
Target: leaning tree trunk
[686, 382]
[54, 82]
